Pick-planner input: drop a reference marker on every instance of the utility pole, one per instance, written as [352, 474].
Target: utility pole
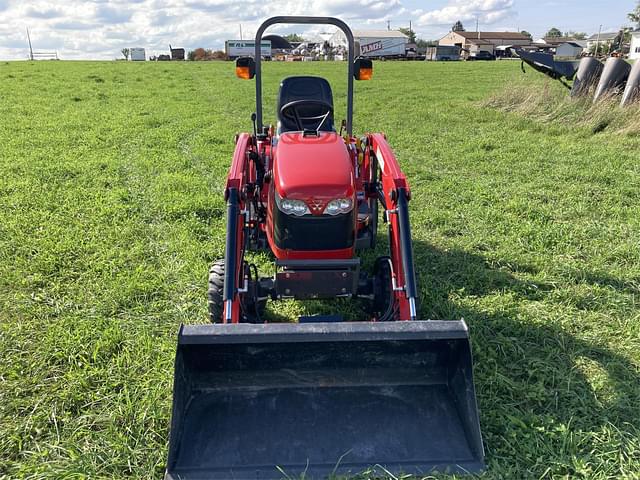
[388, 24]
[598, 41]
[240, 31]
[30, 48]
[478, 26]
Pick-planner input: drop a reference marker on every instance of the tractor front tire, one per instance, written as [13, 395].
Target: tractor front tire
[252, 310]
[215, 291]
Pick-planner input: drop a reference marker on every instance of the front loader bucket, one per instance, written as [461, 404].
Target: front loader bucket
[312, 400]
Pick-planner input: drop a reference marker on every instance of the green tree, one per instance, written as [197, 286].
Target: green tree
[527, 34]
[554, 32]
[423, 44]
[635, 15]
[457, 27]
[576, 35]
[409, 33]
[294, 37]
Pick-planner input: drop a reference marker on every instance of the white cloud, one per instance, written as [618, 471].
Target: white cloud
[99, 29]
[486, 11]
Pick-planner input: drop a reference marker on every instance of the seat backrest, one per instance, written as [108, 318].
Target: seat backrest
[301, 88]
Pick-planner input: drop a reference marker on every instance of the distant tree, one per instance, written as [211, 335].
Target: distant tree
[125, 52]
[554, 32]
[294, 37]
[576, 35]
[409, 33]
[216, 55]
[602, 48]
[635, 15]
[420, 43]
[199, 54]
[527, 34]
[457, 27]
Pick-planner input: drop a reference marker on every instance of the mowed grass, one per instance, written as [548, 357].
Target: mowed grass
[111, 209]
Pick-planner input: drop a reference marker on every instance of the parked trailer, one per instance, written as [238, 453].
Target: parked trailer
[137, 54]
[382, 47]
[246, 48]
[442, 53]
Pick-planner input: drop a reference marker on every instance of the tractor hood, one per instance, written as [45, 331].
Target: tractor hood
[313, 167]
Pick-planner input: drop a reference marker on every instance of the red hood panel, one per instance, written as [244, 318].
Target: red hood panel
[313, 167]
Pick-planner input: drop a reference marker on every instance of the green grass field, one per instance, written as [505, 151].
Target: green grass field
[111, 209]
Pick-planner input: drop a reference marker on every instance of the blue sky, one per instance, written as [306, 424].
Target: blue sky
[99, 29]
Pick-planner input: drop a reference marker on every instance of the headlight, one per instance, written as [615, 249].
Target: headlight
[292, 207]
[339, 205]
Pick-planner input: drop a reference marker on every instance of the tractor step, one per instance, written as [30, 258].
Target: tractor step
[254, 401]
[308, 279]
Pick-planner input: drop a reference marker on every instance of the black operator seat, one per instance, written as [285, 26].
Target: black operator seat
[302, 88]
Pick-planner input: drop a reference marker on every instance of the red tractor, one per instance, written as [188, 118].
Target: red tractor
[254, 399]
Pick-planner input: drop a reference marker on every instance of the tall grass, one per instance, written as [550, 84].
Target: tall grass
[548, 102]
[112, 208]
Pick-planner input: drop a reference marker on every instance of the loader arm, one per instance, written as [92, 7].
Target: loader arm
[396, 195]
[235, 195]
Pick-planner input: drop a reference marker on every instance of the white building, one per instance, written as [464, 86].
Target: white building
[634, 51]
[137, 54]
[604, 39]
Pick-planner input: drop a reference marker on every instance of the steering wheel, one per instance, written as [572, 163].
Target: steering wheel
[291, 111]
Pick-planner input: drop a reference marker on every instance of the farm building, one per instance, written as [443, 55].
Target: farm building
[375, 43]
[569, 49]
[176, 53]
[634, 52]
[473, 42]
[557, 41]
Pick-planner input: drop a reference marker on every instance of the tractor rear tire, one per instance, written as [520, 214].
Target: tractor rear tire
[252, 310]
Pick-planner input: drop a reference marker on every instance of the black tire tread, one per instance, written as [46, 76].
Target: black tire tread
[215, 291]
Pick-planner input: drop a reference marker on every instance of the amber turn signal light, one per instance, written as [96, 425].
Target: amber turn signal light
[363, 68]
[245, 68]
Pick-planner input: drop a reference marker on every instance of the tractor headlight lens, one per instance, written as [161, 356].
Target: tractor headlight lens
[292, 207]
[339, 205]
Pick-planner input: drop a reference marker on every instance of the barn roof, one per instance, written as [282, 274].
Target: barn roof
[493, 35]
[378, 34]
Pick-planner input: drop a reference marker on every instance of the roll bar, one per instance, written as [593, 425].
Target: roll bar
[304, 20]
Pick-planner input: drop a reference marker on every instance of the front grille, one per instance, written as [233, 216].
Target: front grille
[313, 233]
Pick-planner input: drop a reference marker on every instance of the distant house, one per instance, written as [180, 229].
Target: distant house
[473, 42]
[603, 38]
[478, 45]
[634, 52]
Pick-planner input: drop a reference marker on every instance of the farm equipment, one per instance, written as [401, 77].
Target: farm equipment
[590, 76]
[254, 399]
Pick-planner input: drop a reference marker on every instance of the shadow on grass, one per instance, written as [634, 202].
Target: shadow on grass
[542, 392]
[546, 397]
